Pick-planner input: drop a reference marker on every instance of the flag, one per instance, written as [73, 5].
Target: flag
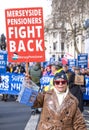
[66, 57]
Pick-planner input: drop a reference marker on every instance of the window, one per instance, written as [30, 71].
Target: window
[54, 45]
[54, 34]
[62, 46]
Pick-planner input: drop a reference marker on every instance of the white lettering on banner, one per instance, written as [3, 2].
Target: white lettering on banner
[17, 78]
[24, 21]
[82, 58]
[12, 46]
[87, 91]
[25, 32]
[2, 62]
[26, 12]
[38, 45]
[1, 57]
[22, 46]
[2, 67]
[16, 86]
[4, 85]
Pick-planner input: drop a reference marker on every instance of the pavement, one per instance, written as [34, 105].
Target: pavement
[32, 122]
[86, 116]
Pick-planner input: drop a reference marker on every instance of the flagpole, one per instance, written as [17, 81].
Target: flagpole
[27, 68]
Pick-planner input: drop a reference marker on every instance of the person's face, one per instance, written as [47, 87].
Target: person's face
[88, 70]
[65, 68]
[60, 84]
[48, 68]
[77, 71]
[53, 69]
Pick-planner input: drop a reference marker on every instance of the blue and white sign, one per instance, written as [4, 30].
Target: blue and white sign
[3, 61]
[52, 60]
[11, 83]
[28, 96]
[45, 80]
[86, 94]
[83, 60]
[72, 62]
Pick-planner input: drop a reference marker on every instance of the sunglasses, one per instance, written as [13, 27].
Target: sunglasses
[58, 82]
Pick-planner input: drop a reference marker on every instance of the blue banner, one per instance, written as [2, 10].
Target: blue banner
[45, 80]
[28, 96]
[3, 61]
[83, 60]
[11, 83]
[86, 95]
[72, 62]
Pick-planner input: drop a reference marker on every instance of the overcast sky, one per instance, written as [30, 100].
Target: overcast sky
[5, 4]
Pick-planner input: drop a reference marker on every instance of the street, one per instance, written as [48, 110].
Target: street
[86, 116]
[15, 116]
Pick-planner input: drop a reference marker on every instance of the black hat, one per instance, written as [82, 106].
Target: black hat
[58, 65]
[60, 75]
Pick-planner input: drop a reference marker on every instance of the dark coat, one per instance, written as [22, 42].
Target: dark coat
[71, 76]
[56, 117]
[75, 89]
[36, 74]
[77, 92]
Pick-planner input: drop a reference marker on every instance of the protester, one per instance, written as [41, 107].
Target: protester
[87, 74]
[5, 96]
[47, 71]
[19, 68]
[76, 90]
[59, 107]
[55, 68]
[70, 75]
[36, 73]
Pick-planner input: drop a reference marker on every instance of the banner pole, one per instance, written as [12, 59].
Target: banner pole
[27, 68]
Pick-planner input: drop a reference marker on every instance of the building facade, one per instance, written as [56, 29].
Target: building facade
[64, 29]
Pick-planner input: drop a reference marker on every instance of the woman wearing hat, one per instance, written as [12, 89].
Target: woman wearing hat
[60, 108]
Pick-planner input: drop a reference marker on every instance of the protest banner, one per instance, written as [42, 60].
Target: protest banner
[79, 80]
[28, 92]
[82, 60]
[86, 94]
[25, 34]
[11, 83]
[45, 82]
[3, 61]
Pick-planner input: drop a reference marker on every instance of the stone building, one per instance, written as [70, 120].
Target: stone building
[64, 29]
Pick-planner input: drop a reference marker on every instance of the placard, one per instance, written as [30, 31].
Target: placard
[79, 80]
[25, 34]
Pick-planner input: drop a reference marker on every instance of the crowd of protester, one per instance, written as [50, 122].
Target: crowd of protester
[67, 91]
[37, 71]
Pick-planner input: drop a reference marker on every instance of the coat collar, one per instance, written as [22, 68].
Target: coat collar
[54, 104]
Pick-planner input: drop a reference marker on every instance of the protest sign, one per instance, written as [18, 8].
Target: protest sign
[28, 92]
[25, 34]
[11, 83]
[83, 60]
[79, 80]
[86, 94]
[3, 61]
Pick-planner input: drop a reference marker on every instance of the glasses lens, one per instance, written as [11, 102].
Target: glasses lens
[62, 82]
